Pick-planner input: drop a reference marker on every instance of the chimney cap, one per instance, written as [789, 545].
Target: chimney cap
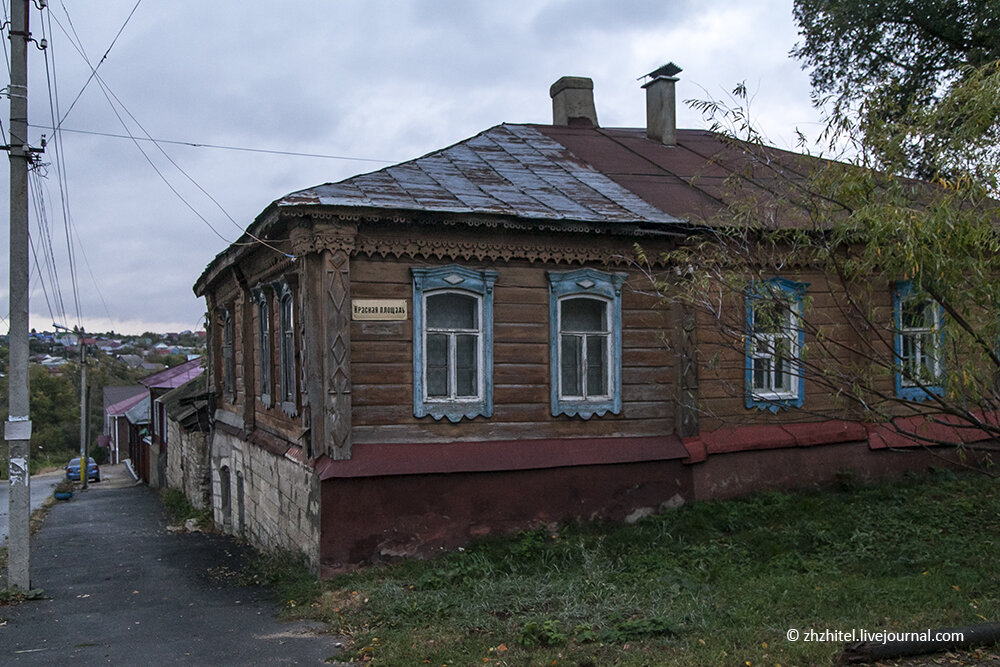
[669, 70]
[574, 82]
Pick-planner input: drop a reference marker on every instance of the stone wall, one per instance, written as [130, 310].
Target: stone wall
[272, 501]
[189, 464]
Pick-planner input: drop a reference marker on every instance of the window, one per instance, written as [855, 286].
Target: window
[264, 344]
[919, 344]
[585, 342]
[228, 362]
[287, 387]
[453, 343]
[774, 343]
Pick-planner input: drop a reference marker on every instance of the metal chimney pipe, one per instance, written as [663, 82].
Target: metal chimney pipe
[661, 105]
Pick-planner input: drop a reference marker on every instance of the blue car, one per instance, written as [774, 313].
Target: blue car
[73, 470]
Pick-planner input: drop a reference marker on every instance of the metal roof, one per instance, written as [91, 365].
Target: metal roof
[176, 376]
[512, 170]
[140, 412]
[123, 406]
[696, 179]
[116, 394]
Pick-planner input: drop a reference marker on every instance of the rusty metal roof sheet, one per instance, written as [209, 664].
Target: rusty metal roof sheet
[512, 170]
[698, 178]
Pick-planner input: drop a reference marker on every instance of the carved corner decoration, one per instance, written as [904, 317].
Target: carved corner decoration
[687, 371]
[337, 408]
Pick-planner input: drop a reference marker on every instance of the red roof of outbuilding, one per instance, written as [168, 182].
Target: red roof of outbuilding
[176, 376]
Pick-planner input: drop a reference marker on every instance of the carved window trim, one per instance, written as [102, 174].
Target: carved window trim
[265, 378]
[762, 347]
[600, 286]
[459, 280]
[909, 345]
[226, 355]
[287, 367]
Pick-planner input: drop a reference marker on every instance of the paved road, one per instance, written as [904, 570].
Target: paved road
[41, 489]
[121, 590]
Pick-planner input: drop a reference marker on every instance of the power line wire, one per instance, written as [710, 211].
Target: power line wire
[108, 93]
[93, 69]
[193, 144]
[61, 171]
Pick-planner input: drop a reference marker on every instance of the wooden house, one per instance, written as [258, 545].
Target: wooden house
[463, 344]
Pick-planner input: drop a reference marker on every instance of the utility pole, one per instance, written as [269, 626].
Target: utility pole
[84, 457]
[18, 427]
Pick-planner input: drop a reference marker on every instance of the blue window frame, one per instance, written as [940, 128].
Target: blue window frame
[263, 307]
[585, 342]
[287, 372]
[774, 341]
[453, 343]
[918, 324]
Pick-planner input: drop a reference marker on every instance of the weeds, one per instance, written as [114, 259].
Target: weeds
[709, 583]
[179, 509]
[288, 576]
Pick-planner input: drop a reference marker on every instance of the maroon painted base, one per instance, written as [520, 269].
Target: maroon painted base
[377, 518]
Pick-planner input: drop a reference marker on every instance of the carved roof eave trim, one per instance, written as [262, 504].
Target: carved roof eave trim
[274, 214]
[362, 214]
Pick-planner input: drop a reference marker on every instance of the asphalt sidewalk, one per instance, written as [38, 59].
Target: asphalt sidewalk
[121, 590]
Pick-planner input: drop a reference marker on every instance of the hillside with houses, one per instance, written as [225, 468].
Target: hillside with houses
[118, 365]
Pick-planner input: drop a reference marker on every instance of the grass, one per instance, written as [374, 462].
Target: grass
[713, 583]
[179, 509]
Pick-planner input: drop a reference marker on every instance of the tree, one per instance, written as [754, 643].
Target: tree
[55, 416]
[900, 325]
[880, 67]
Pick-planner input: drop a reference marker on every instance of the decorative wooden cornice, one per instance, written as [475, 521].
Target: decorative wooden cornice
[334, 237]
[499, 250]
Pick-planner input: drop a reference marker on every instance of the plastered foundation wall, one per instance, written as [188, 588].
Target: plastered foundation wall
[189, 464]
[271, 501]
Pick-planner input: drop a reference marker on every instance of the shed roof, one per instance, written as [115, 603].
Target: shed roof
[176, 376]
[140, 412]
[123, 406]
[116, 394]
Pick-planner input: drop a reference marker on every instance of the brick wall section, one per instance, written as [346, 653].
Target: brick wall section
[189, 464]
[281, 498]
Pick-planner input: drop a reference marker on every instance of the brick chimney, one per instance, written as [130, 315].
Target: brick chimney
[573, 101]
[661, 104]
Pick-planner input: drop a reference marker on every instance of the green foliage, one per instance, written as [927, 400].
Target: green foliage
[288, 575]
[172, 360]
[541, 633]
[882, 66]
[710, 583]
[179, 509]
[861, 231]
[55, 417]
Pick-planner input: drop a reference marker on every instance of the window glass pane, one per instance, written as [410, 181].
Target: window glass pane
[452, 311]
[917, 314]
[570, 363]
[928, 350]
[466, 366]
[597, 365]
[762, 373]
[782, 355]
[770, 316]
[583, 315]
[437, 365]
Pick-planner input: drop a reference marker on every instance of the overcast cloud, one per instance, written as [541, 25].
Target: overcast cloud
[364, 79]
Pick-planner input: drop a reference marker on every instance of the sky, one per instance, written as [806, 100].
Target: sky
[362, 83]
